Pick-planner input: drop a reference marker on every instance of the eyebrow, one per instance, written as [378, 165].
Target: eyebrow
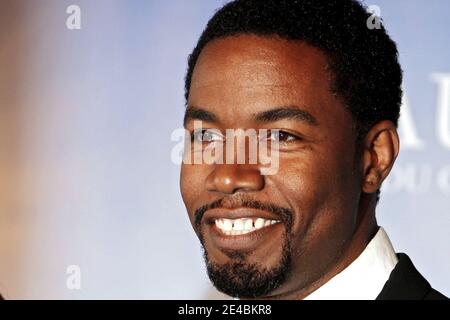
[195, 113]
[273, 115]
[286, 113]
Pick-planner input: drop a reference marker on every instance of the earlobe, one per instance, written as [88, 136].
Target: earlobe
[381, 148]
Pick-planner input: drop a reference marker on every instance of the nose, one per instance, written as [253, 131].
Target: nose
[229, 179]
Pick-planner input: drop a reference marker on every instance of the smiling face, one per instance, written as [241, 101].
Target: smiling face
[293, 227]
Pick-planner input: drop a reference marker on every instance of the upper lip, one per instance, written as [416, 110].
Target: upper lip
[221, 213]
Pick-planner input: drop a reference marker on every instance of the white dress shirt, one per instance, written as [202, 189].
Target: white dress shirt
[365, 277]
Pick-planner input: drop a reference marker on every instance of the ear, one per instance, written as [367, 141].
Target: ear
[380, 149]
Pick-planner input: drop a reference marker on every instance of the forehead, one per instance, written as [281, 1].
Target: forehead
[263, 60]
[241, 75]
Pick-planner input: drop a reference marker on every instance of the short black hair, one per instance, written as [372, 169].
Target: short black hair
[363, 61]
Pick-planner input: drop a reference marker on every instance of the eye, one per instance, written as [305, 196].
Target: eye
[282, 136]
[208, 135]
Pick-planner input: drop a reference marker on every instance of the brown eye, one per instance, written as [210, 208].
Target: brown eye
[282, 136]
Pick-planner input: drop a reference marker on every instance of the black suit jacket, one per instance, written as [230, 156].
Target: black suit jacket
[406, 283]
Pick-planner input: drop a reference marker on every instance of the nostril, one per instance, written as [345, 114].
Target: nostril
[229, 179]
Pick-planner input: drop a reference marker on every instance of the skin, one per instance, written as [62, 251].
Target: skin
[322, 178]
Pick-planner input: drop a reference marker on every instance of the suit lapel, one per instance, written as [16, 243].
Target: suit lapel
[405, 282]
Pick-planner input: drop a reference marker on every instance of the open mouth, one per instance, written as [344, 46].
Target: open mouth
[245, 234]
[242, 229]
[241, 226]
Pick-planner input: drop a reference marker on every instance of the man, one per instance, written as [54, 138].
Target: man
[329, 87]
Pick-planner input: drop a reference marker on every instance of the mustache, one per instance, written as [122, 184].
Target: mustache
[285, 214]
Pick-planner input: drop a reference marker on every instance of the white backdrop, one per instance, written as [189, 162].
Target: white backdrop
[85, 123]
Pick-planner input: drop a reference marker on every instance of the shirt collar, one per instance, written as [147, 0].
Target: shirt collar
[365, 277]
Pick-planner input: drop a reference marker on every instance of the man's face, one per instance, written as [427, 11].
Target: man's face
[251, 82]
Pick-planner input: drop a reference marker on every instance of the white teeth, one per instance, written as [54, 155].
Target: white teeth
[227, 225]
[259, 223]
[248, 225]
[242, 226]
[238, 225]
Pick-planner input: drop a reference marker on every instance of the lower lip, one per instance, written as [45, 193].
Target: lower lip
[244, 242]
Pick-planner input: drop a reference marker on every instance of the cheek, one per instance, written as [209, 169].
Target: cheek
[188, 183]
[317, 186]
[184, 176]
[192, 183]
